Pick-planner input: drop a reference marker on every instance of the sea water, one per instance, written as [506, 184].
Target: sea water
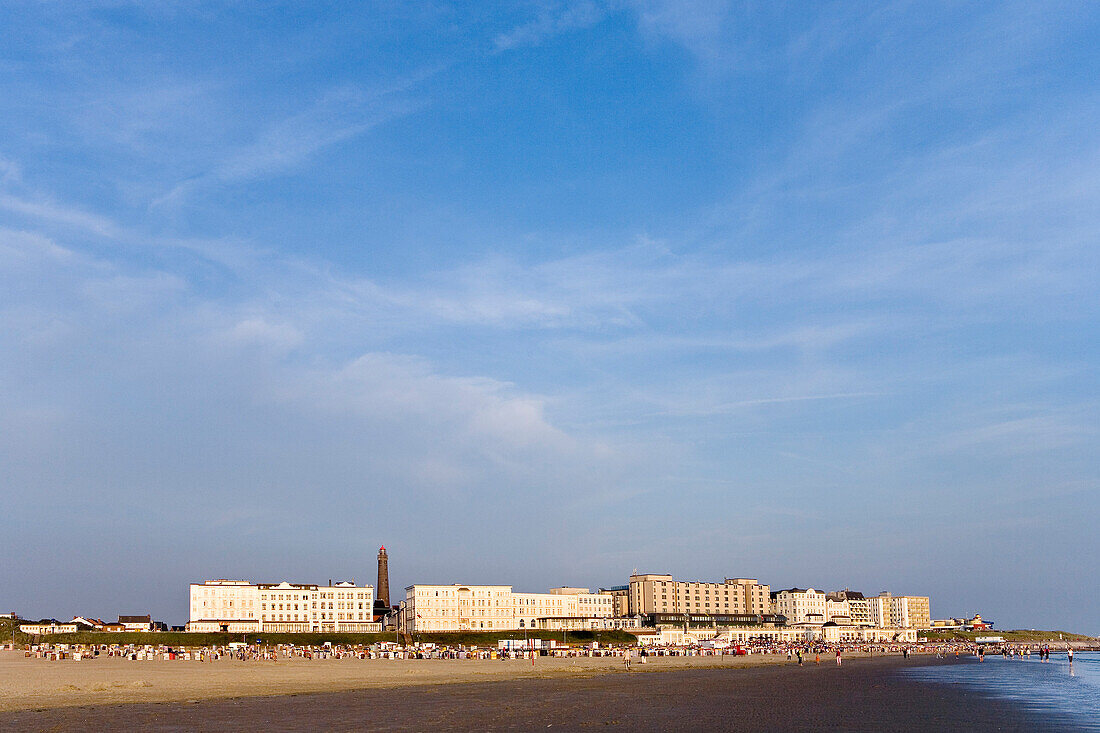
[1055, 689]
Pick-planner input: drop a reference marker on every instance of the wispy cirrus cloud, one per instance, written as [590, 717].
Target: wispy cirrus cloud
[59, 214]
[729, 407]
[703, 27]
[1010, 432]
[10, 172]
[553, 19]
[281, 146]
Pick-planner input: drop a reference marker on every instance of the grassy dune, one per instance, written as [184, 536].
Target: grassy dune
[8, 625]
[1016, 635]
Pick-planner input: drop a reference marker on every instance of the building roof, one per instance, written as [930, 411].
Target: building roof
[85, 620]
[135, 619]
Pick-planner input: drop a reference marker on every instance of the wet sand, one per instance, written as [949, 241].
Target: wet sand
[861, 695]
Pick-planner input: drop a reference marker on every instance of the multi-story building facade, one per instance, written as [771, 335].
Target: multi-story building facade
[229, 605]
[859, 607]
[900, 612]
[800, 605]
[837, 610]
[497, 607]
[241, 606]
[620, 599]
[661, 594]
[918, 613]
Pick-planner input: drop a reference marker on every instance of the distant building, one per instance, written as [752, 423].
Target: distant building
[701, 635]
[832, 632]
[858, 607]
[136, 623]
[837, 609]
[620, 599]
[88, 624]
[654, 593]
[497, 608]
[977, 623]
[585, 623]
[46, 627]
[239, 606]
[723, 621]
[800, 605]
[902, 612]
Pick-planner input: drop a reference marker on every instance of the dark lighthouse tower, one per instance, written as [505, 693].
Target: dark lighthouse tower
[382, 591]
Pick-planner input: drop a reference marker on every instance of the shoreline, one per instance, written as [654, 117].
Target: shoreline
[862, 694]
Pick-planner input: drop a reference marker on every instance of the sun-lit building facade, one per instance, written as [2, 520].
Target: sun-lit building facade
[800, 605]
[241, 606]
[652, 593]
[497, 607]
[903, 612]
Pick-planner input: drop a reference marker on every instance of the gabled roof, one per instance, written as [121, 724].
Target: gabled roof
[86, 620]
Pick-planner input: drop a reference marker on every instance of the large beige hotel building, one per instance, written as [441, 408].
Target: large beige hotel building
[652, 593]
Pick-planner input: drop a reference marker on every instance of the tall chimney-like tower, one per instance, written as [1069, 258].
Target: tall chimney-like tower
[382, 591]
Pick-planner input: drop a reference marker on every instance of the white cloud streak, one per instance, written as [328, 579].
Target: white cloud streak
[552, 20]
[60, 214]
[283, 145]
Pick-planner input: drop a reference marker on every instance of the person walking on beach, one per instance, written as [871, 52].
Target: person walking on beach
[1069, 653]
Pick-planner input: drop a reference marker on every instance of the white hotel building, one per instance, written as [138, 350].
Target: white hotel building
[497, 608]
[238, 606]
[800, 605]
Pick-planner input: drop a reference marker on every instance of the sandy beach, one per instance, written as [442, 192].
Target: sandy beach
[682, 694]
[37, 683]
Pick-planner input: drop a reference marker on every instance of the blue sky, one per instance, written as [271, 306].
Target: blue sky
[542, 292]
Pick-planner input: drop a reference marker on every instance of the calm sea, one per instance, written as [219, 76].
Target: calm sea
[1064, 692]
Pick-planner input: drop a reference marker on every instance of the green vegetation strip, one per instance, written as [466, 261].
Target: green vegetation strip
[1015, 635]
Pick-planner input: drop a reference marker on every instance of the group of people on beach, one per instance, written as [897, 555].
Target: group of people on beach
[1017, 651]
[241, 652]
